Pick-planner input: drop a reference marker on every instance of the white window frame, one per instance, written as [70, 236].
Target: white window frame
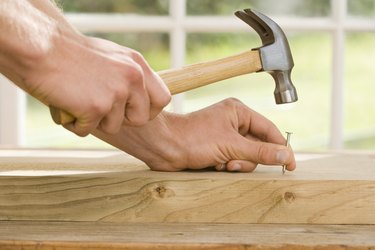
[178, 24]
[12, 114]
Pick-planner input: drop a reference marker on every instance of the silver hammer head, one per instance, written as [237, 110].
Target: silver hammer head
[275, 53]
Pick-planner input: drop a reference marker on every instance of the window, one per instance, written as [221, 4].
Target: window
[332, 44]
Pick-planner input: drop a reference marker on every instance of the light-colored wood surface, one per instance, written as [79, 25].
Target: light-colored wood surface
[325, 189]
[52, 235]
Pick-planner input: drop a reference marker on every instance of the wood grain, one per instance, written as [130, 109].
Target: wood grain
[333, 189]
[201, 74]
[53, 235]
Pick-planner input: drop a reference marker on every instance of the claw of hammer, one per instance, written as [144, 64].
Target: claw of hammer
[275, 53]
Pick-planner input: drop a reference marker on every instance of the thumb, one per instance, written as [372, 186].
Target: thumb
[264, 153]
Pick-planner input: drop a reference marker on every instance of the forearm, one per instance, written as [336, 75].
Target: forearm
[49, 8]
[26, 33]
[33, 31]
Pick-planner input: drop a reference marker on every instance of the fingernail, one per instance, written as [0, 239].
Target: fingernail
[282, 156]
[220, 167]
[236, 167]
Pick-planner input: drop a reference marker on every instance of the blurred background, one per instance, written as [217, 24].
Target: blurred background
[332, 42]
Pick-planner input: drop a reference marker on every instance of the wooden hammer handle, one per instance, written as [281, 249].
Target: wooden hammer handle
[194, 76]
[201, 74]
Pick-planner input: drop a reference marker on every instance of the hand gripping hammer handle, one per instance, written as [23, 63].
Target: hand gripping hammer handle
[273, 56]
[193, 76]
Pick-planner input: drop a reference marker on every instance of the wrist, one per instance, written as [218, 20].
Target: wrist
[164, 150]
[29, 41]
[47, 61]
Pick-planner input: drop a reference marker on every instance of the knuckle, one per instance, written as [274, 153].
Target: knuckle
[98, 108]
[82, 133]
[134, 74]
[263, 153]
[163, 96]
[232, 102]
[120, 93]
[78, 130]
[137, 56]
[166, 99]
[161, 101]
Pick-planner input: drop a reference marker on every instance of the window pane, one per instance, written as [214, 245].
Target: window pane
[308, 118]
[359, 91]
[155, 7]
[361, 8]
[283, 7]
[40, 129]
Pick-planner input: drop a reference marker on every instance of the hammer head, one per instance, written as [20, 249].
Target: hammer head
[275, 53]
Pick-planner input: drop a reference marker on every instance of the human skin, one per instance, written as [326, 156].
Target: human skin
[98, 81]
[102, 84]
[227, 135]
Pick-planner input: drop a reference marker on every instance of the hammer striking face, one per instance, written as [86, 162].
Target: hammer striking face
[273, 56]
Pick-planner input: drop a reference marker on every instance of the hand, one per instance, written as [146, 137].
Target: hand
[226, 133]
[102, 84]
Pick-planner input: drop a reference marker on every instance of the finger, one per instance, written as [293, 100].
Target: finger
[241, 166]
[292, 165]
[157, 90]
[112, 122]
[82, 127]
[262, 152]
[255, 124]
[220, 167]
[137, 110]
[265, 130]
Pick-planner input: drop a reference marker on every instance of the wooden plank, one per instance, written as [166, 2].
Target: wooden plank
[328, 189]
[72, 236]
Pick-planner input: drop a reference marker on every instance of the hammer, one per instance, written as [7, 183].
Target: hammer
[273, 56]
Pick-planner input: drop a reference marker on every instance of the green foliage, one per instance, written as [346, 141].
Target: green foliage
[219, 43]
[217, 7]
[313, 8]
[154, 7]
[361, 7]
[283, 7]
[210, 7]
